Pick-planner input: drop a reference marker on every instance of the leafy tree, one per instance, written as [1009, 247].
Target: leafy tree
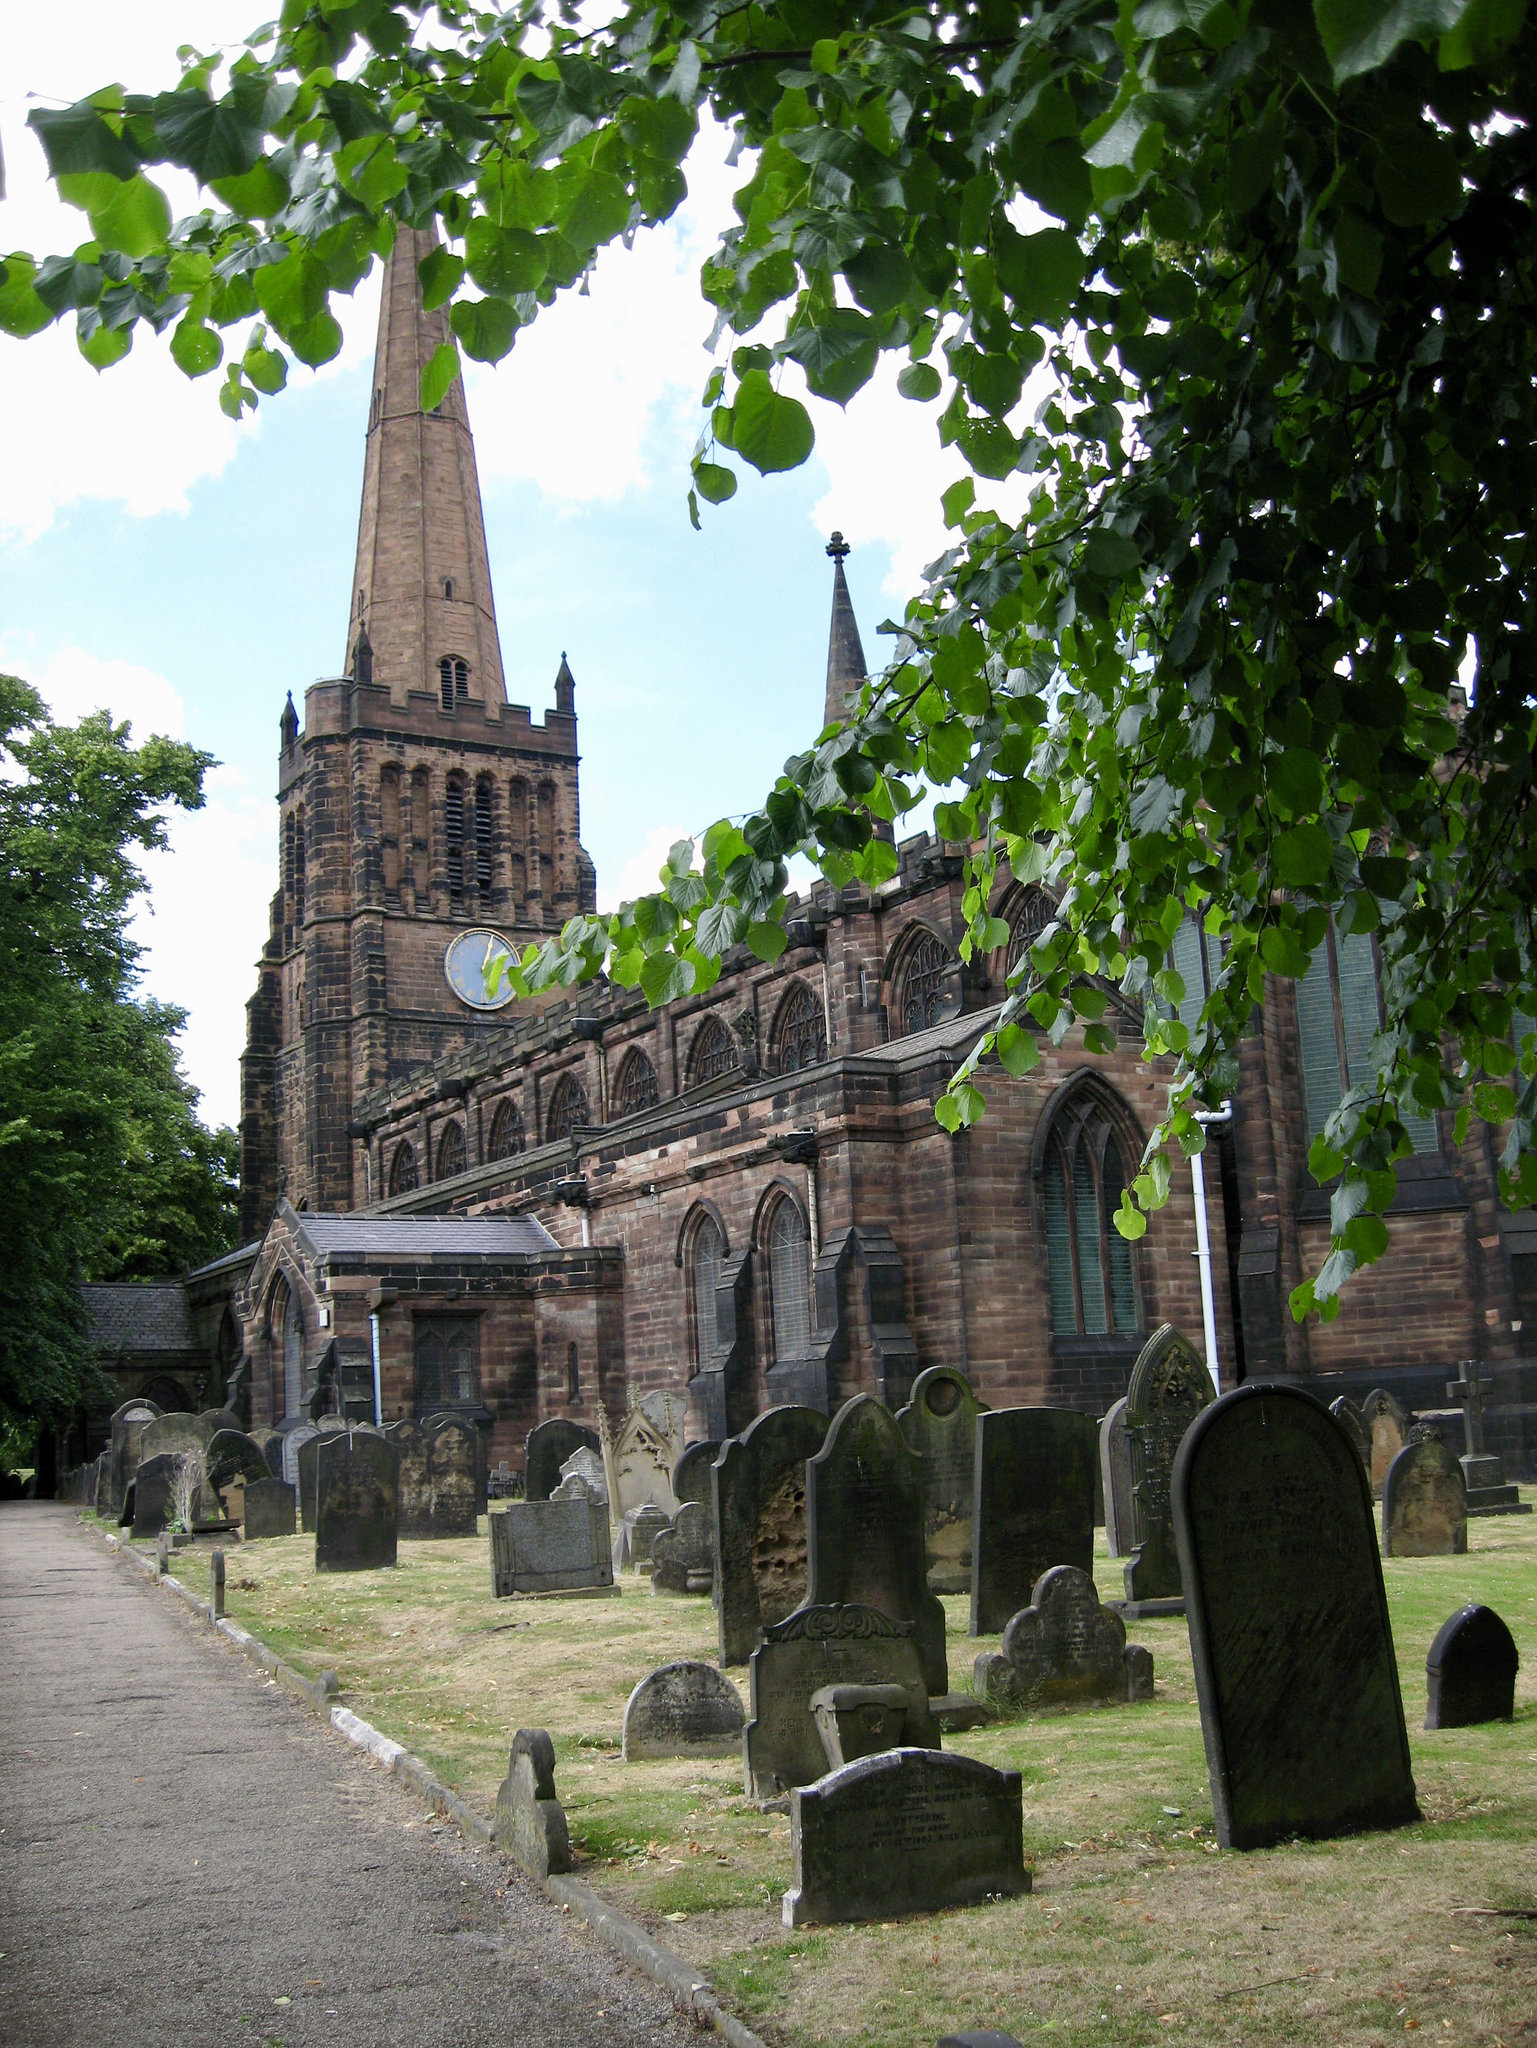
[1243, 289]
[105, 1172]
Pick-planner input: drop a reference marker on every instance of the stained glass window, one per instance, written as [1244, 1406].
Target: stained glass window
[1093, 1291]
[706, 1254]
[568, 1109]
[451, 1151]
[790, 1281]
[636, 1087]
[927, 994]
[714, 1052]
[506, 1132]
[800, 1031]
[403, 1170]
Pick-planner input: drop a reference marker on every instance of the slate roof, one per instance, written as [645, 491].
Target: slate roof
[425, 1236]
[139, 1315]
[955, 1035]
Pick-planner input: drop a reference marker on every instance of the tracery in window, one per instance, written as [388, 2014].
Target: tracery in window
[635, 1085]
[403, 1169]
[713, 1053]
[928, 992]
[1093, 1288]
[1035, 912]
[568, 1109]
[451, 1151]
[800, 1031]
[507, 1139]
[707, 1252]
[789, 1259]
[447, 1363]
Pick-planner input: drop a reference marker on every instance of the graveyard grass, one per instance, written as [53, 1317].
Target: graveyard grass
[1139, 1928]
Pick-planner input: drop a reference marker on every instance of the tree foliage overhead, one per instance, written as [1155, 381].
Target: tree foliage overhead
[105, 1171]
[1244, 290]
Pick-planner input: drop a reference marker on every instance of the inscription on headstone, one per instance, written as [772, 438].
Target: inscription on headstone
[357, 1492]
[1424, 1502]
[1064, 1647]
[939, 1424]
[683, 1709]
[1169, 1388]
[1470, 1673]
[759, 1495]
[1034, 1489]
[812, 1649]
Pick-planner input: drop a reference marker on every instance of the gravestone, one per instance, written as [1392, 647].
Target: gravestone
[546, 1449]
[1034, 1488]
[1115, 1479]
[357, 1500]
[1169, 1388]
[640, 1457]
[684, 1709]
[939, 1423]
[232, 1454]
[575, 1487]
[637, 1534]
[153, 1485]
[1470, 1673]
[1064, 1648]
[666, 1413]
[213, 1420]
[1353, 1422]
[410, 1439]
[683, 1555]
[1387, 1425]
[586, 1465]
[550, 1547]
[810, 1650]
[294, 1441]
[175, 1435]
[759, 1499]
[1424, 1502]
[438, 1485]
[691, 1474]
[908, 1831]
[269, 1509]
[1294, 1665]
[271, 1441]
[128, 1426]
[101, 1489]
[864, 1528]
[530, 1822]
[1484, 1473]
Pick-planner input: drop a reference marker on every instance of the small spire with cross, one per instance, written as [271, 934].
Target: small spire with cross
[838, 547]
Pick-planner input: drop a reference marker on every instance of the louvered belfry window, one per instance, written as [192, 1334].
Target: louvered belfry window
[1093, 1291]
[636, 1088]
[800, 1034]
[1338, 1016]
[453, 835]
[707, 1254]
[483, 832]
[927, 985]
[790, 1281]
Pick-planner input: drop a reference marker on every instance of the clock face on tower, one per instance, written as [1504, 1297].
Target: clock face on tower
[465, 964]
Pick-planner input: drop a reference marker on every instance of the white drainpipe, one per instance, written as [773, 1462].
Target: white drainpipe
[1207, 1118]
[373, 1325]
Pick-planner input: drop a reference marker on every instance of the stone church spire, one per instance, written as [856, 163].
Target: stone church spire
[846, 669]
[421, 594]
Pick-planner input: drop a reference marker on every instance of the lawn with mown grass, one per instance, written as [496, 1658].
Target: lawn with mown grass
[1138, 1929]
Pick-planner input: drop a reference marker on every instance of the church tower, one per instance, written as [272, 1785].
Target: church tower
[415, 805]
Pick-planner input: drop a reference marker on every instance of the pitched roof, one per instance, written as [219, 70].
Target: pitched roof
[448, 1237]
[139, 1315]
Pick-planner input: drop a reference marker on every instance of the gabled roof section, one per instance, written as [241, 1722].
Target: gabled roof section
[139, 1315]
[417, 1237]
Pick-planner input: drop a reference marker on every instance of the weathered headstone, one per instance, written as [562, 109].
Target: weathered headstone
[908, 1831]
[759, 1486]
[294, 1441]
[128, 1426]
[584, 1467]
[1294, 1665]
[1424, 1502]
[101, 1487]
[154, 1481]
[1115, 1479]
[233, 1455]
[640, 1457]
[1351, 1420]
[437, 1477]
[1169, 1388]
[550, 1547]
[864, 1528]
[939, 1423]
[215, 1419]
[1387, 1424]
[683, 1555]
[1470, 1673]
[1034, 1489]
[691, 1474]
[530, 1822]
[269, 1509]
[666, 1413]
[638, 1532]
[357, 1497]
[809, 1650]
[546, 1449]
[271, 1441]
[1064, 1648]
[683, 1709]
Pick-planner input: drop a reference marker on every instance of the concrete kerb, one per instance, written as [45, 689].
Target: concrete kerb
[625, 1936]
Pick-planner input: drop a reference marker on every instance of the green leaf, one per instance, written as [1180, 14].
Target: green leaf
[441, 273]
[78, 139]
[920, 381]
[1418, 177]
[1303, 856]
[504, 261]
[768, 430]
[438, 373]
[211, 138]
[316, 341]
[486, 327]
[1296, 781]
[767, 940]
[1129, 1219]
[721, 926]
[291, 292]
[106, 346]
[664, 978]
[880, 277]
[596, 211]
[838, 353]
[195, 348]
[1041, 273]
[22, 312]
[1018, 1050]
[1110, 554]
[265, 368]
[258, 195]
[715, 482]
[135, 220]
[1361, 35]
[1485, 30]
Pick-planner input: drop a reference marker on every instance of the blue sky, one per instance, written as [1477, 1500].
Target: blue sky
[188, 574]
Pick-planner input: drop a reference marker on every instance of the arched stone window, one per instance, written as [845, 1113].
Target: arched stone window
[800, 1031]
[389, 827]
[567, 1111]
[706, 1256]
[928, 990]
[1034, 911]
[507, 1139]
[403, 1169]
[448, 588]
[789, 1263]
[1093, 1285]
[712, 1054]
[451, 1151]
[635, 1085]
[285, 1325]
[453, 680]
[453, 835]
[483, 829]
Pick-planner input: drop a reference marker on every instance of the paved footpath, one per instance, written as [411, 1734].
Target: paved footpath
[188, 1859]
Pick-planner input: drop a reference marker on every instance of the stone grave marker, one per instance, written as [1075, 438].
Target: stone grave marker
[1115, 1479]
[453, 1483]
[1294, 1665]
[1387, 1425]
[546, 1449]
[1169, 1388]
[859, 1720]
[585, 1466]
[683, 1555]
[101, 1488]
[759, 1500]
[810, 1650]
[691, 1474]
[1064, 1648]
[638, 1532]
[1034, 1491]
[153, 1483]
[864, 1528]
[908, 1831]
[530, 1822]
[1351, 1420]
[1424, 1502]
[666, 1413]
[269, 1509]
[639, 1460]
[1470, 1673]
[939, 1423]
[551, 1547]
[128, 1426]
[231, 1454]
[410, 1439]
[215, 1419]
[357, 1500]
[294, 1441]
[683, 1709]
[271, 1441]
[1484, 1473]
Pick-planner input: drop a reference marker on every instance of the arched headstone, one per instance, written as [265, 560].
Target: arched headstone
[547, 1447]
[759, 1500]
[939, 1423]
[1169, 1388]
[1424, 1502]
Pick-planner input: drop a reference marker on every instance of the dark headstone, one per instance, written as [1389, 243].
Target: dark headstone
[357, 1495]
[1064, 1648]
[909, 1831]
[1169, 1388]
[860, 1720]
[547, 1448]
[1470, 1673]
[1424, 1501]
[128, 1426]
[759, 1497]
[1115, 1480]
[1351, 1420]
[1387, 1425]
[798, 1657]
[939, 1424]
[864, 1528]
[691, 1474]
[438, 1477]
[530, 1822]
[1034, 1489]
[1289, 1631]
[101, 1488]
[233, 1455]
[271, 1441]
[684, 1709]
[269, 1509]
[153, 1485]
[550, 1546]
[683, 1556]
[305, 1462]
[294, 1441]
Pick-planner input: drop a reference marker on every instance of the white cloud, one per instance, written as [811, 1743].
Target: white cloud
[74, 683]
[638, 876]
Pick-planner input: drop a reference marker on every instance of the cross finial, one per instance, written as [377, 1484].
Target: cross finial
[837, 547]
